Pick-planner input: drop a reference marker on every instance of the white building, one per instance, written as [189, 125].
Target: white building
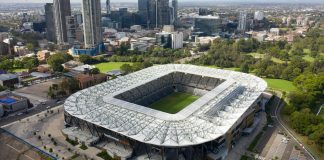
[242, 22]
[136, 28]
[177, 40]
[172, 40]
[168, 28]
[258, 15]
[275, 31]
[140, 46]
[28, 25]
[205, 40]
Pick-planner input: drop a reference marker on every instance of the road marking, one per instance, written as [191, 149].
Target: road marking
[13, 148]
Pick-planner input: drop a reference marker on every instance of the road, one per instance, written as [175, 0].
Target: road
[275, 114]
[33, 111]
[188, 59]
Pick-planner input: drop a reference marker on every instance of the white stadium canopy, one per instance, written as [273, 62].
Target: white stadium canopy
[204, 120]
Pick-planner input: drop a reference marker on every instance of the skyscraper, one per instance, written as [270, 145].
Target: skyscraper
[91, 10]
[62, 9]
[108, 6]
[174, 12]
[50, 22]
[242, 22]
[71, 29]
[143, 11]
[159, 12]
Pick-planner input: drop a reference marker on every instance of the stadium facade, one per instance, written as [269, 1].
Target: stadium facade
[209, 127]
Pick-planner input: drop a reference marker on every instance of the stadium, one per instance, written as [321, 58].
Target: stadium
[172, 111]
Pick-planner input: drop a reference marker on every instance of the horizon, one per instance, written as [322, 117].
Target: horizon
[180, 1]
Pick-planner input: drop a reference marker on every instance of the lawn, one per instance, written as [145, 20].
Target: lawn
[279, 84]
[261, 56]
[308, 58]
[109, 66]
[174, 102]
[20, 70]
[230, 69]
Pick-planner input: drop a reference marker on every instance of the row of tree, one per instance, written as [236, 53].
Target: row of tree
[9, 64]
[127, 68]
[303, 104]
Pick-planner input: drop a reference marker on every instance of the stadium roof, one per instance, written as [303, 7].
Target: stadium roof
[205, 120]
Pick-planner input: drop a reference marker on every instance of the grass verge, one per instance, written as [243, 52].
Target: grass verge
[280, 85]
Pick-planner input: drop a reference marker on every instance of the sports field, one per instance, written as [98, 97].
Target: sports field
[174, 102]
[109, 66]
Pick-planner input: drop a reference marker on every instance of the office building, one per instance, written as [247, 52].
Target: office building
[177, 40]
[62, 9]
[78, 19]
[172, 40]
[242, 22]
[204, 12]
[159, 13]
[143, 11]
[209, 25]
[174, 11]
[71, 29]
[91, 10]
[108, 6]
[164, 40]
[50, 22]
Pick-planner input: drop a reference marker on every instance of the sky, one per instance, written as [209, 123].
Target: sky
[75, 1]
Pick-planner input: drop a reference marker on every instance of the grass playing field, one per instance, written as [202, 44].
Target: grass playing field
[109, 66]
[174, 102]
[279, 84]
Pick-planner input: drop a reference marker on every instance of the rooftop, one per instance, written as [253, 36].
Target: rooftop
[9, 76]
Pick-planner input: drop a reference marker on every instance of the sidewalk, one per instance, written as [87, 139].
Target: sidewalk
[242, 145]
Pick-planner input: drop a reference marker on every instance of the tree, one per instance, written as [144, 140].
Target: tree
[86, 59]
[245, 68]
[70, 85]
[30, 46]
[7, 64]
[95, 71]
[126, 68]
[30, 62]
[2, 88]
[56, 61]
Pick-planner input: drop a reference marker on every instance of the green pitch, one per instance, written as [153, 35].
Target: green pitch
[174, 102]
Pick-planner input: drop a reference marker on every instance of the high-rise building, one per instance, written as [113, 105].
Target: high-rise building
[172, 40]
[108, 6]
[242, 22]
[209, 25]
[91, 10]
[143, 11]
[174, 11]
[204, 12]
[62, 9]
[159, 12]
[71, 29]
[50, 23]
